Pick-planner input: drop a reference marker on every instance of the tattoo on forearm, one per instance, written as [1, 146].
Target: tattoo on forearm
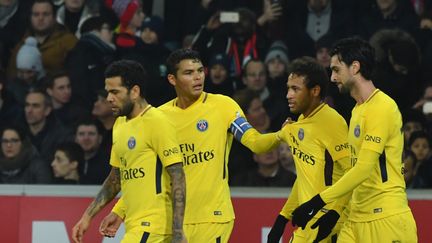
[178, 197]
[110, 188]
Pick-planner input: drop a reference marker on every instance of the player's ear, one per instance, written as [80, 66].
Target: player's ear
[355, 67]
[172, 79]
[135, 91]
[316, 90]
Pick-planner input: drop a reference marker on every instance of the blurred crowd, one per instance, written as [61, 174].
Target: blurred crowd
[56, 122]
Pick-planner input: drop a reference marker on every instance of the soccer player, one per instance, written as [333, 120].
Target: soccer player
[206, 124]
[145, 159]
[379, 209]
[318, 141]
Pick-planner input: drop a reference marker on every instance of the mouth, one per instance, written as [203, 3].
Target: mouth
[291, 105]
[197, 87]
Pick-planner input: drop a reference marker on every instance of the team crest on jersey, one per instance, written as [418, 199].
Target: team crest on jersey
[301, 134]
[357, 131]
[202, 125]
[131, 143]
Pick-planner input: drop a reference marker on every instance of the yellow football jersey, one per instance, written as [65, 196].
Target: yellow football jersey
[321, 154]
[376, 125]
[205, 131]
[142, 148]
[378, 186]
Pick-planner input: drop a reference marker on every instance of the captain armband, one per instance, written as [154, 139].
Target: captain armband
[239, 126]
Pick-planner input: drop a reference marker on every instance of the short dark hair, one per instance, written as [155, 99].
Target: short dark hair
[244, 98]
[50, 2]
[313, 73]
[131, 73]
[353, 49]
[52, 77]
[89, 121]
[94, 24]
[73, 151]
[244, 69]
[419, 134]
[47, 99]
[179, 55]
[22, 133]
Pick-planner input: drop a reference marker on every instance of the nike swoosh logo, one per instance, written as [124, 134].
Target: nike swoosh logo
[311, 212]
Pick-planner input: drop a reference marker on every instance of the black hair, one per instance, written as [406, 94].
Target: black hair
[73, 151]
[89, 121]
[47, 99]
[52, 77]
[131, 73]
[419, 134]
[179, 55]
[244, 74]
[50, 2]
[313, 73]
[244, 98]
[94, 24]
[22, 133]
[353, 49]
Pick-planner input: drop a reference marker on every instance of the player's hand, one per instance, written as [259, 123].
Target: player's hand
[110, 224]
[179, 237]
[326, 224]
[305, 212]
[277, 230]
[80, 228]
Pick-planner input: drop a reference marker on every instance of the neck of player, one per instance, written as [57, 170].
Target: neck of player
[314, 104]
[184, 101]
[362, 90]
[139, 106]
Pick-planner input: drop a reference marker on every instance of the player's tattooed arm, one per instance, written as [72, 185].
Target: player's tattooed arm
[110, 188]
[179, 199]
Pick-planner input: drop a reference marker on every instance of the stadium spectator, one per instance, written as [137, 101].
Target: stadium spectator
[45, 131]
[67, 159]
[73, 13]
[240, 41]
[87, 61]
[30, 71]
[54, 40]
[94, 170]
[277, 62]
[13, 23]
[255, 78]
[59, 89]
[269, 173]
[218, 80]
[420, 145]
[102, 111]
[20, 162]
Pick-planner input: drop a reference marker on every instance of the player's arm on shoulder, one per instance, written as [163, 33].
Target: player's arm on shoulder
[251, 138]
[178, 194]
[366, 161]
[243, 130]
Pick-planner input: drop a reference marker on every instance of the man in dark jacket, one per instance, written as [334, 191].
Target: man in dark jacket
[87, 61]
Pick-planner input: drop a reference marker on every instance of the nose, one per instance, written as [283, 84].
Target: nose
[333, 78]
[110, 98]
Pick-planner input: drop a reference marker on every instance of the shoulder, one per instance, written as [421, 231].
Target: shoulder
[167, 106]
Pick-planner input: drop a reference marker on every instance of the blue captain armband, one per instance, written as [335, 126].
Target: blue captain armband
[239, 126]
